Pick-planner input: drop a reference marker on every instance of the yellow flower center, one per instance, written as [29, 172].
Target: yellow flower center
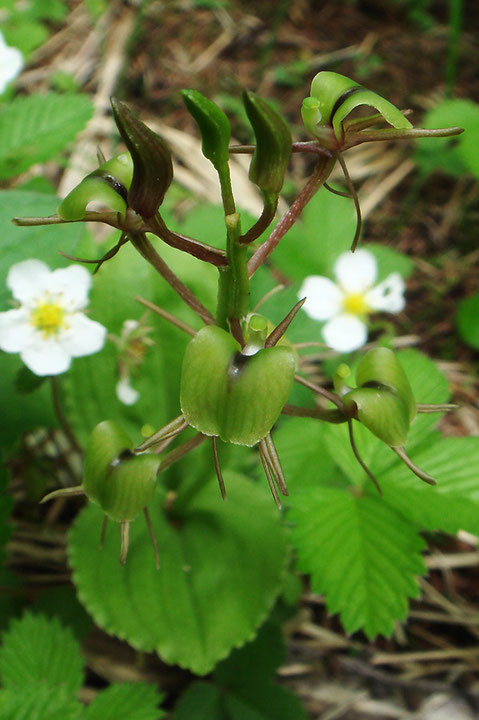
[355, 303]
[49, 318]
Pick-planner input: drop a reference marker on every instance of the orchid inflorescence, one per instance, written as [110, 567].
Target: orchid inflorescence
[239, 368]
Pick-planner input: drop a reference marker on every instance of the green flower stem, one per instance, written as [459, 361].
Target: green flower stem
[270, 203]
[331, 416]
[146, 249]
[233, 283]
[200, 250]
[321, 173]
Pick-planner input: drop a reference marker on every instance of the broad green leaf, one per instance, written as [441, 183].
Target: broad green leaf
[38, 702]
[89, 387]
[35, 128]
[201, 701]
[454, 503]
[362, 555]
[129, 701]
[467, 320]
[42, 242]
[38, 650]
[455, 154]
[194, 610]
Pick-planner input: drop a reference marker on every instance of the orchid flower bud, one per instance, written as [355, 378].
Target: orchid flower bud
[213, 124]
[107, 185]
[273, 144]
[230, 394]
[337, 96]
[152, 165]
[383, 400]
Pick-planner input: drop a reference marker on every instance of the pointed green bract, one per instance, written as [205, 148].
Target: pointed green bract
[153, 168]
[234, 396]
[213, 124]
[273, 144]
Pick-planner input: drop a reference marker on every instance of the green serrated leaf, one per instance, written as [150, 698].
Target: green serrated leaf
[194, 610]
[35, 128]
[129, 701]
[38, 650]
[361, 553]
[454, 503]
[390, 261]
[39, 702]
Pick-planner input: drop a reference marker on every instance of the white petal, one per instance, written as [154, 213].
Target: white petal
[83, 336]
[16, 332]
[356, 272]
[323, 297]
[46, 357]
[11, 63]
[388, 295]
[345, 333]
[126, 393]
[73, 283]
[28, 280]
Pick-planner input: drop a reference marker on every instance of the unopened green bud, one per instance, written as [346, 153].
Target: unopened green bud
[338, 96]
[152, 165]
[383, 400]
[119, 481]
[229, 394]
[213, 124]
[273, 144]
[107, 185]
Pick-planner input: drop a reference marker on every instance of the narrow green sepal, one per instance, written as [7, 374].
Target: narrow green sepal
[213, 124]
[107, 185]
[152, 165]
[273, 144]
[229, 394]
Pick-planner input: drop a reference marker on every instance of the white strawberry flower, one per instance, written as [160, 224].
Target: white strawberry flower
[346, 303]
[48, 328]
[11, 63]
